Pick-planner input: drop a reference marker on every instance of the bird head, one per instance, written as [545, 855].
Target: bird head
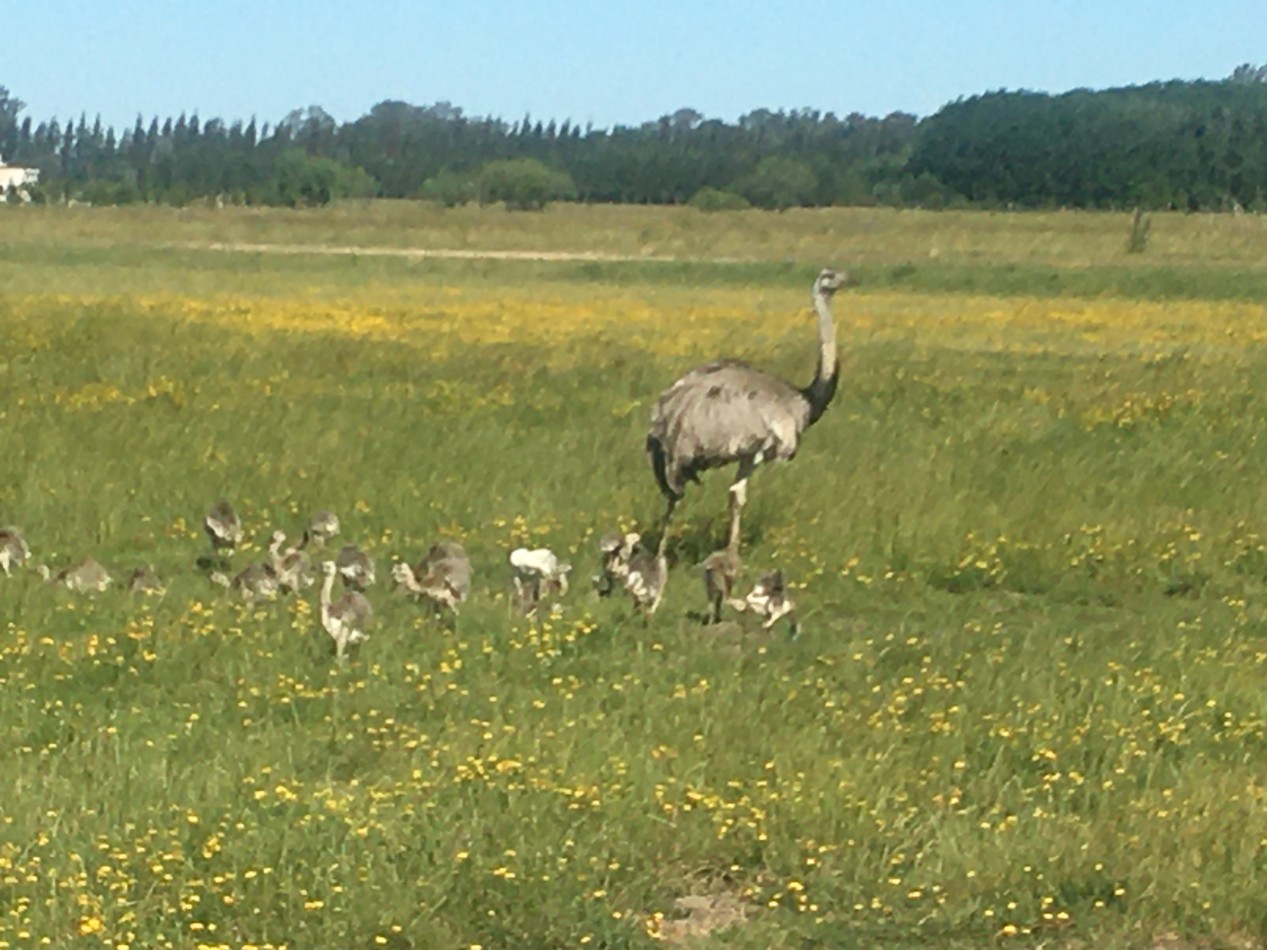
[771, 584]
[325, 523]
[829, 281]
[328, 568]
[611, 542]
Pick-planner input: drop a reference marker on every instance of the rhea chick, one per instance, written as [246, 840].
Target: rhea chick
[355, 567]
[223, 526]
[13, 550]
[770, 599]
[644, 573]
[442, 578]
[256, 582]
[721, 570]
[145, 580]
[86, 577]
[293, 567]
[323, 526]
[344, 619]
[538, 573]
[615, 550]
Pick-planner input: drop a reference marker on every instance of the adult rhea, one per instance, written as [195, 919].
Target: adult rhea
[729, 411]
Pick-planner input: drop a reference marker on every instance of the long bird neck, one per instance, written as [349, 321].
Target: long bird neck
[823, 386]
[409, 577]
[327, 588]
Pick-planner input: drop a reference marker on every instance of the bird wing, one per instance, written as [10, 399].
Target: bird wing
[538, 561]
[353, 608]
[448, 574]
[719, 413]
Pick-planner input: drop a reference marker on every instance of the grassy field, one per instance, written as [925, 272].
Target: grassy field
[1029, 541]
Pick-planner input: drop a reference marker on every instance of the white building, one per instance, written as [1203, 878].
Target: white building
[16, 176]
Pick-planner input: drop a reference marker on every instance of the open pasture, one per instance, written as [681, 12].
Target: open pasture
[1029, 544]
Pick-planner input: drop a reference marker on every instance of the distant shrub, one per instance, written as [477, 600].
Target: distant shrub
[303, 180]
[925, 191]
[779, 182]
[714, 199]
[524, 184]
[449, 189]
[110, 193]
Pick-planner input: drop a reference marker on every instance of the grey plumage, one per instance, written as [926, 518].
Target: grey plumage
[730, 412]
[13, 550]
[144, 580]
[537, 573]
[223, 526]
[642, 573]
[721, 570]
[355, 567]
[645, 575]
[253, 582]
[443, 577]
[615, 549]
[770, 598]
[292, 566]
[86, 577]
[323, 526]
[344, 619]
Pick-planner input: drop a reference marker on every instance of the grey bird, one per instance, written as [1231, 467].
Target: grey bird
[145, 580]
[615, 549]
[323, 526]
[442, 578]
[770, 599]
[641, 572]
[292, 566]
[86, 577]
[355, 567]
[256, 582]
[344, 619]
[729, 411]
[223, 526]
[644, 573]
[537, 573]
[13, 550]
[721, 570]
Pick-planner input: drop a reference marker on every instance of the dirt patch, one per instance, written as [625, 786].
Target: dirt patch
[705, 915]
[240, 247]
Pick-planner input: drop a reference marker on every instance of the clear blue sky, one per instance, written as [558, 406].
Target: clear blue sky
[606, 63]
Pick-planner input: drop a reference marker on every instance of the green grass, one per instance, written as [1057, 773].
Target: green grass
[1210, 257]
[1026, 706]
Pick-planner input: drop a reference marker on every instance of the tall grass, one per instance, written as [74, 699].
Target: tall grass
[858, 236]
[1025, 705]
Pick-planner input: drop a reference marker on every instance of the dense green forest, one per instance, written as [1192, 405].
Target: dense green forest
[1188, 145]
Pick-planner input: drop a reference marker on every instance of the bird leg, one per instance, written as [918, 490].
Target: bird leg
[664, 528]
[715, 613]
[738, 498]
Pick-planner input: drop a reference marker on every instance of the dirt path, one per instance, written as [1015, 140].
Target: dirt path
[420, 253]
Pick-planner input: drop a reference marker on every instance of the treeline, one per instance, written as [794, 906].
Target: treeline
[398, 150]
[1190, 145]
[1186, 145]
